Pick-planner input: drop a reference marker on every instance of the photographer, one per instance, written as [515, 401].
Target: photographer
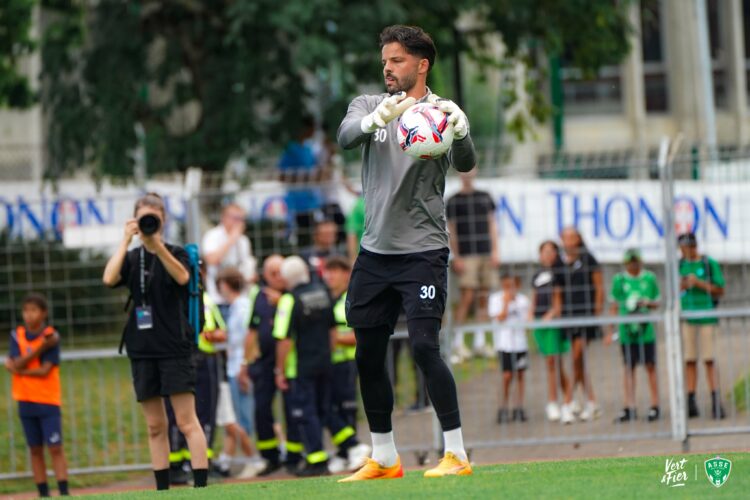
[157, 335]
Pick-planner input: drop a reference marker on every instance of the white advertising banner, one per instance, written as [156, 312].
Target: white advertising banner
[615, 215]
[611, 215]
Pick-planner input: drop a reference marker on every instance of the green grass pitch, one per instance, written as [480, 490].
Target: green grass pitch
[615, 478]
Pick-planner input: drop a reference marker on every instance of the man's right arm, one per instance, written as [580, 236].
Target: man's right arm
[350, 133]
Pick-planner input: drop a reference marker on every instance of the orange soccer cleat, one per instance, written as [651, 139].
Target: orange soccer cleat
[450, 465]
[373, 470]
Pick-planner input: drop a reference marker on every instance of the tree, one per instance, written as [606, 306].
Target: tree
[15, 42]
[209, 80]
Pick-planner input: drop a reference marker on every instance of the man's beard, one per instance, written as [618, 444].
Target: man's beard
[404, 84]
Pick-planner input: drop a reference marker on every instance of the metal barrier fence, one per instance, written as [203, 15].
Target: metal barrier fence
[102, 423]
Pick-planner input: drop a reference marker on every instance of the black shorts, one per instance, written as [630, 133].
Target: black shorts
[588, 333]
[162, 376]
[513, 361]
[382, 284]
[635, 354]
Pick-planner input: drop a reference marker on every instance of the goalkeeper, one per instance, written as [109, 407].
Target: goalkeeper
[404, 249]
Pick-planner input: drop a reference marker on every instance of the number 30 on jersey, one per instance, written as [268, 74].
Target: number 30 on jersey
[380, 134]
[427, 292]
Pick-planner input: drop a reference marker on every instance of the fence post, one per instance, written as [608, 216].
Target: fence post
[673, 339]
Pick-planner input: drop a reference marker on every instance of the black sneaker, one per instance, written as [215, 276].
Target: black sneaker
[270, 468]
[626, 415]
[653, 414]
[519, 415]
[314, 470]
[292, 467]
[692, 408]
[717, 411]
[179, 476]
[502, 416]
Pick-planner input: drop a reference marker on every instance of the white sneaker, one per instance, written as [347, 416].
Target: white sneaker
[460, 354]
[591, 412]
[358, 456]
[553, 411]
[575, 407]
[566, 414]
[249, 471]
[336, 465]
[485, 351]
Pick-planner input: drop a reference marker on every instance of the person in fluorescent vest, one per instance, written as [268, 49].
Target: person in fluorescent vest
[209, 368]
[260, 358]
[342, 420]
[305, 330]
[34, 362]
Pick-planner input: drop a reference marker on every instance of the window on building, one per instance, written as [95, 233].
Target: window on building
[601, 94]
[654, 67]
[716, 49]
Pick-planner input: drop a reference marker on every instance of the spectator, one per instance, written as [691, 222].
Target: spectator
[583, 296]
[702, 285]
[324, 246]
[260, 351]
[231, 284]
[298, 168]
[34, 362]
[227, 246]
[636, 291]
[510, 343]
[474, 248]
[355, 228]
[546, 305]
[330, 162]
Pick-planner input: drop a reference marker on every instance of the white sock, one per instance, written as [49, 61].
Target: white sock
[454, 442]
[384, 448]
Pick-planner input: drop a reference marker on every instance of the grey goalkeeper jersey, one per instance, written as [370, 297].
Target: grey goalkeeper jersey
[404, 207]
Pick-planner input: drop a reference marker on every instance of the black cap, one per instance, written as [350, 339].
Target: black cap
[687, 239]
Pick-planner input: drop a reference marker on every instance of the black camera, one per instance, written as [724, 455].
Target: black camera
[149, 224]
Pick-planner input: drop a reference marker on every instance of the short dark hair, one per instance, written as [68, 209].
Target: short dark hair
[414, 40]
[232, 277]
[36, 299]
[338, 262]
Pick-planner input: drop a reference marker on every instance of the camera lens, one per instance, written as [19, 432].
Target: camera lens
[149, 224]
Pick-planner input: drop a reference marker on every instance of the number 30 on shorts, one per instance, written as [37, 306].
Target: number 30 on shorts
[427, 292]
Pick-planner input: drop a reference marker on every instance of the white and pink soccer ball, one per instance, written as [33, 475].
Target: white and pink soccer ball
[424, 132]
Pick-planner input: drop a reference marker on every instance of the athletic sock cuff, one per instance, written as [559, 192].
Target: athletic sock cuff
[450, 420]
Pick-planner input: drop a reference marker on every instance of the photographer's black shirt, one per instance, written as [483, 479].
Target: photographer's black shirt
[171, 335]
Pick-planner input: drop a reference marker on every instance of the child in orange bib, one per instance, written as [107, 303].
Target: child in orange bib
[34, 362]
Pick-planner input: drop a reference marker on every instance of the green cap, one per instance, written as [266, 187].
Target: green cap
[631, 254]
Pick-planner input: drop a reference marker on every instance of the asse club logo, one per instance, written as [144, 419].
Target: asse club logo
[717, 470]
[676, 471]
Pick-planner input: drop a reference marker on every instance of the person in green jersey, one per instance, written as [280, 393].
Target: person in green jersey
[702, 284]
[635, 291]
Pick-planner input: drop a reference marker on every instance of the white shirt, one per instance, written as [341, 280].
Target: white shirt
[239, 255]
[236, 331]
[504, 338]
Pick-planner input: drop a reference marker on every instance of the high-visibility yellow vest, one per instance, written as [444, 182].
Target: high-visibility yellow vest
[212, 320]
[342, 352]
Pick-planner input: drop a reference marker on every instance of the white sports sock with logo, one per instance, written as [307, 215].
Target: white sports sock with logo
[384, 448]
[454, 442]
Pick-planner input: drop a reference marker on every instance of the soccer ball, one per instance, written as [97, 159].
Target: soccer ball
[424, 132]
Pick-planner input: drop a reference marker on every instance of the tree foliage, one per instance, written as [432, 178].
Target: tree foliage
[15, 42]
[209, 80]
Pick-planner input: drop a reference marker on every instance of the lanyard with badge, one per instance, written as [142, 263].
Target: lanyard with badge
[143, 313]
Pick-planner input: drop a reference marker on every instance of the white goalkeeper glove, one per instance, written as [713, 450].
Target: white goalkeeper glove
[456, 117]
[389, 109]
